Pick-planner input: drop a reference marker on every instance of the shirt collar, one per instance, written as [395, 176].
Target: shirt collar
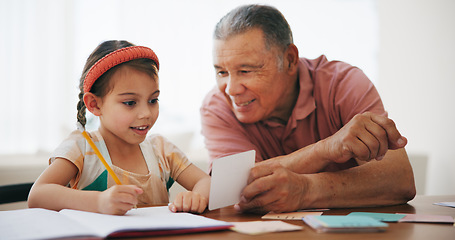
[305, 102]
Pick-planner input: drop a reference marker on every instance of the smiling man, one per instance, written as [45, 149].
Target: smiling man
[315, 124]
[247, 73]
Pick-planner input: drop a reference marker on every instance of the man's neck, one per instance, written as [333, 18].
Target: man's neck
[291, 100]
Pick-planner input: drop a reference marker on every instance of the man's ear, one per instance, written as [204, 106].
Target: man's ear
[92, 103]
[292, 59]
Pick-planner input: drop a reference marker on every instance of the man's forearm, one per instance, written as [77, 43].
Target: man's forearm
[386, 182]
[304, 160]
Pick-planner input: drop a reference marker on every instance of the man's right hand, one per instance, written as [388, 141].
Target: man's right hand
[367, 136]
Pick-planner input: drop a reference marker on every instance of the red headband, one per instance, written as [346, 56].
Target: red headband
[115, 58]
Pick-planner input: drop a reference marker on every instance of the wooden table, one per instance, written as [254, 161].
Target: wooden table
[420, 205]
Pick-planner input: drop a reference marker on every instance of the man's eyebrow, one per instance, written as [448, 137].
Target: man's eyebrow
[243, 66]
[256, 66]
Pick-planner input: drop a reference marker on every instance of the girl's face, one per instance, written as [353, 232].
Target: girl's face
[131, 108]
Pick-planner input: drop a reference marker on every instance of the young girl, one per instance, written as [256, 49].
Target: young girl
[119, 84]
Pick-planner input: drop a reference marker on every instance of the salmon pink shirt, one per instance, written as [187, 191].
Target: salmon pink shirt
[331, 94]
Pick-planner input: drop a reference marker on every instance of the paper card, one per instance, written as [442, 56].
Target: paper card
[427, 218]
[336, 223]
[259, 227]
[348, 221]
[446, 204]
[313, 210]
[290, 215]
[229, 177]
[383, 217]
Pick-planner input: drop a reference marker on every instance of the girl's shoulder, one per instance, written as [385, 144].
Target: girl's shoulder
[76, 143]
[75, 138]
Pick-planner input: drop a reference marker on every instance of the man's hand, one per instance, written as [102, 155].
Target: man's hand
[278, 184]
[271, 187]
[367, 136]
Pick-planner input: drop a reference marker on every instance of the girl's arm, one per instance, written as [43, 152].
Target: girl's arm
[50, 192]
[195, 200]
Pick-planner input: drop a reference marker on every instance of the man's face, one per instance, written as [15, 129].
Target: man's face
[252, 79]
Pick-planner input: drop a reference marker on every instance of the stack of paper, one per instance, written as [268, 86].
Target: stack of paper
[405, 217]
[446, 204]
[383, 217]
[334, 223]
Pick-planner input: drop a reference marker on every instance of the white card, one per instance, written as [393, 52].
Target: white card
[259, 227]
[229, 177]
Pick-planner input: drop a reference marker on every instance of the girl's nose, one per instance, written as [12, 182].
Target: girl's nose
[145, 112]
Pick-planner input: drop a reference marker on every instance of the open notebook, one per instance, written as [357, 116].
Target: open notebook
[36, 223]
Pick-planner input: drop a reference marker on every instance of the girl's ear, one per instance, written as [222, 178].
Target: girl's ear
[92, 103]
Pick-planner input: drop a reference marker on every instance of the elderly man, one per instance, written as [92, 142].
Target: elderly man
[315, 124]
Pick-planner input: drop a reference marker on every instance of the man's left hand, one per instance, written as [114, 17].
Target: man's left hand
[272, 187]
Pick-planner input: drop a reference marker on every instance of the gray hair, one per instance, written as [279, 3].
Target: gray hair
[276, 29]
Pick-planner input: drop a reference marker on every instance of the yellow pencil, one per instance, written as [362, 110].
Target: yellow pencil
[100, 156]
[98, 153]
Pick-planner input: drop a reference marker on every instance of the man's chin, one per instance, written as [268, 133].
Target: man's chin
[243, 118]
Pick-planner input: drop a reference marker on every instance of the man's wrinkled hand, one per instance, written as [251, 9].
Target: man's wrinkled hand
[367, 136]
[271, 187]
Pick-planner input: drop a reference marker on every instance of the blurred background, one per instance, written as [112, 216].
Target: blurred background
[406, 47]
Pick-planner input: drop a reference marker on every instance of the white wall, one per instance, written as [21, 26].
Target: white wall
[416, 80]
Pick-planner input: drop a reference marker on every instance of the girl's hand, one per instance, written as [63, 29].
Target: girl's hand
[189, 202]
[118, 199]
